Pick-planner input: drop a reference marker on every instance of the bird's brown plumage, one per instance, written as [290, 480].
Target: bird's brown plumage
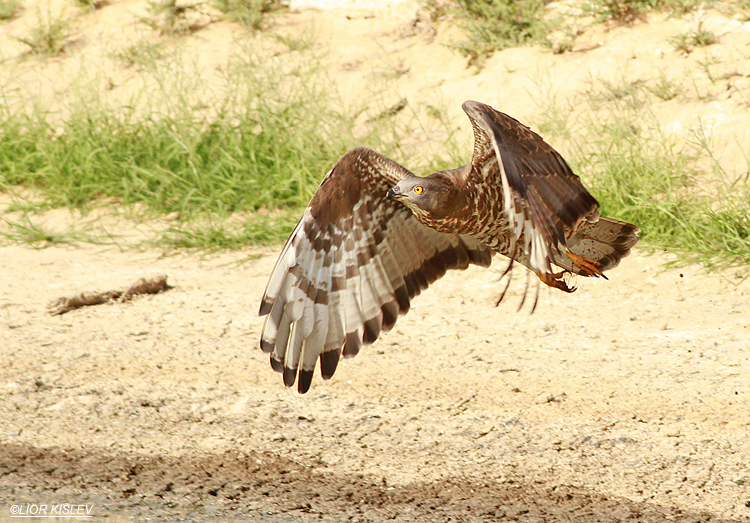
[351, 266]
[374, 236]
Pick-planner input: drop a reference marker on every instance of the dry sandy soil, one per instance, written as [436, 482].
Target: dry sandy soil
[625, 401]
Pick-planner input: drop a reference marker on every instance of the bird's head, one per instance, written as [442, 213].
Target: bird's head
[434, 195]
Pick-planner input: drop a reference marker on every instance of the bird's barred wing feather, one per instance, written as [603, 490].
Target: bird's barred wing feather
[351, 266]
[544, 201]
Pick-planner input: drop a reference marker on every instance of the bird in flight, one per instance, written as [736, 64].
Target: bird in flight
[375, 235]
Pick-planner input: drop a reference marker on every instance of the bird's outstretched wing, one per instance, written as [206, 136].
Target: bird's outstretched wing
[543, 200]
[351, 266]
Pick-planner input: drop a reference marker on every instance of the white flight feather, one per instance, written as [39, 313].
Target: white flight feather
[535, 248]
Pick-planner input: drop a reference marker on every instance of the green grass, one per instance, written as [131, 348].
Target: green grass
[27, 231]
[235, 164]
[180, 160]
[9, 8]
[167, 17]
[665, 88]
[257, 146]
[622, 11]
[49, 37]
[699, 37]
[235, 233]
[296, 42]
[252, 14]
[496, 25]
[620, 91]
[141, 54]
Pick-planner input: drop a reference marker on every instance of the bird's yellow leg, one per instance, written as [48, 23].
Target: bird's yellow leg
[555, 280]
[588, 266]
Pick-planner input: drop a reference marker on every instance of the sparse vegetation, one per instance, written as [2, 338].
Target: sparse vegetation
[700, 37]
[140, 54]
[705, 64]
[621, 90]
[49, 36]
[629, 11]
[642, 175]
[38, 236]
[258, 145]
[91, 4]
[252, 14]
[622, 11]
[229, 234]
[741, 9]
[215, 159]
[8, 8]
[299, 42]
[664, 87]
[169, 17]
[436, 10]
[493, 26]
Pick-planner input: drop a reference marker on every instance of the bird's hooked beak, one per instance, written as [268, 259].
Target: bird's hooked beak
[393, 193]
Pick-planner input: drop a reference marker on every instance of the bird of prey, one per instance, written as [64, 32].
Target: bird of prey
[375, 235]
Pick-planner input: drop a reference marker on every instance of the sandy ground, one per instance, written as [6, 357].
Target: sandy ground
[625, 401]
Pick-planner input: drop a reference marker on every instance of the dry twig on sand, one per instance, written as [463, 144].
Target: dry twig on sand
[152, 285]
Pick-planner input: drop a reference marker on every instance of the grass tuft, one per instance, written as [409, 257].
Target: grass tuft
[622, 11]
[619, 91]
[170, 18]
[237, 233]
[251, 14]
[9, 8]
[494, 26]
[27, 232]
[700, 37]
[665, 88]
[141, 54]
[298, 42]
[49, 37]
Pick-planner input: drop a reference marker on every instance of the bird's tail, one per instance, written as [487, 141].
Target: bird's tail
[605, 241]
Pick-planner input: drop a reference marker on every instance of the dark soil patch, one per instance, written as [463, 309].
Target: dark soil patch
[258, 486]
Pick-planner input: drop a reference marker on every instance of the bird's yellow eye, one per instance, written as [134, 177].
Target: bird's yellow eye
[418, 189]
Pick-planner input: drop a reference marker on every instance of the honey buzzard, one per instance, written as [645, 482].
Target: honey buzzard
[375, 235]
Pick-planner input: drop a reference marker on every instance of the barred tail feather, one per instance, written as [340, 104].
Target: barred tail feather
[605, 241]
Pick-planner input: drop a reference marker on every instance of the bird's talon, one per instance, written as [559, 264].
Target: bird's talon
[556, 281]
[588, 266]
